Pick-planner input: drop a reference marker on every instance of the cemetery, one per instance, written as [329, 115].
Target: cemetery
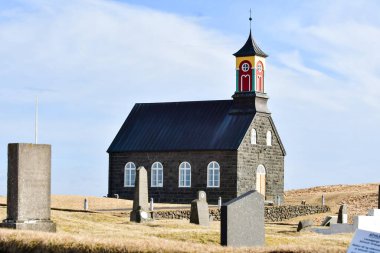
[106, 226]
[199, 176]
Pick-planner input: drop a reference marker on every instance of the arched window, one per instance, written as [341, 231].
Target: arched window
[260, 179]
[253, 136]
[245, 76]
[269, 138]
[157, 175]
[213, 174]
[129, 174]
[184, 179]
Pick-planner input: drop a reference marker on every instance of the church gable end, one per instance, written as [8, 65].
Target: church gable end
[252, 158]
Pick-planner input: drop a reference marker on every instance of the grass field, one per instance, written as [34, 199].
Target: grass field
[112, 231]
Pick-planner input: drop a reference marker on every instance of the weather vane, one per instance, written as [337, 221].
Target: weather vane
[250, 18]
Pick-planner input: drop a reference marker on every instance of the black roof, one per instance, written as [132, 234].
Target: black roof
[250, 48]
[181, 126]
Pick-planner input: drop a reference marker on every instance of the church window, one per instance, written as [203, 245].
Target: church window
[253, 136]
[129, 174]
[245, 67]
[269, 138]
[184, 175]
[259, 77]
[213, 174]
[157, 175]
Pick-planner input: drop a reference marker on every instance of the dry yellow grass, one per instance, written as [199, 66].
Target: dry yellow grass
[112, 231]
[74, 202]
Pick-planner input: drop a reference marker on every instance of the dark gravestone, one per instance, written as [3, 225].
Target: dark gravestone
[199, 210]
[304, 224]
[29, 179]
[342, 215]
[140, 212]
[242, 221]
[329, 220]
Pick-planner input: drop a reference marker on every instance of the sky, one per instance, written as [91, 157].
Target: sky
[90, 61]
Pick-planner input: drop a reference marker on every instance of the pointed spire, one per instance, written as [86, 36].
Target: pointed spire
[250, 19]
[250, 48]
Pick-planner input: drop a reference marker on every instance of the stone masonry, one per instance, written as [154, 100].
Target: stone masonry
[272, 157]
[170, 192]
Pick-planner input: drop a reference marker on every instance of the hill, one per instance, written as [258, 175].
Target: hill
[359, 198]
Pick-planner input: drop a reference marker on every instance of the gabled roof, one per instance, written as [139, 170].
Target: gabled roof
[250, 48]
[182, 126]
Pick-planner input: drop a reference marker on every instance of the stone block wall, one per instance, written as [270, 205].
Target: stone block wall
[170, 192]
[250, 156]
[272, 214]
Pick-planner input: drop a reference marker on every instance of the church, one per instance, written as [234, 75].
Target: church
[223, 147]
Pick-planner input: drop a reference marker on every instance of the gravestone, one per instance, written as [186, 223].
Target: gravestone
[343, 215]
[29, 183]
[219, 202]
[140, 212]
[199, 210]
[304, 224]
[329, 220]
[369, 222]
[151, 205]
[85, 204]
[242, 221]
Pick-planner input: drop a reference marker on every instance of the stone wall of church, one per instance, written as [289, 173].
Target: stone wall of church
[250, 156]
[170, 192]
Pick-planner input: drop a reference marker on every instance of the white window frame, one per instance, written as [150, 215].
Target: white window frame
[183, 168]
[253, 136]
[130, 166]
[212, 167]
[269, 138]
[156, 167]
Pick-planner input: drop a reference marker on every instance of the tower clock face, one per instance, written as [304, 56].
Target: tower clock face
[245, 67]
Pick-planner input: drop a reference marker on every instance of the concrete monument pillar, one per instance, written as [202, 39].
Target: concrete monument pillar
[343, 215]
[140, 212]
[199, 210]
[29, 179]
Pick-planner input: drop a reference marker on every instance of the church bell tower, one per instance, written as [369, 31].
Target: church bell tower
[250, 75]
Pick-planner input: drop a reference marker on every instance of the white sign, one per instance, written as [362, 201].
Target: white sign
[365, 242]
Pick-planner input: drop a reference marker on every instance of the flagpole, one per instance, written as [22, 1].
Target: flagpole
[36, 123]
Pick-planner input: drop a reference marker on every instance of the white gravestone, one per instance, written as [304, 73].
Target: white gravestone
[365, 242]
[371, 222]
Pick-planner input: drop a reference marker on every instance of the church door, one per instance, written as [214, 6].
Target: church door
[245, 83]
[260, 179]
